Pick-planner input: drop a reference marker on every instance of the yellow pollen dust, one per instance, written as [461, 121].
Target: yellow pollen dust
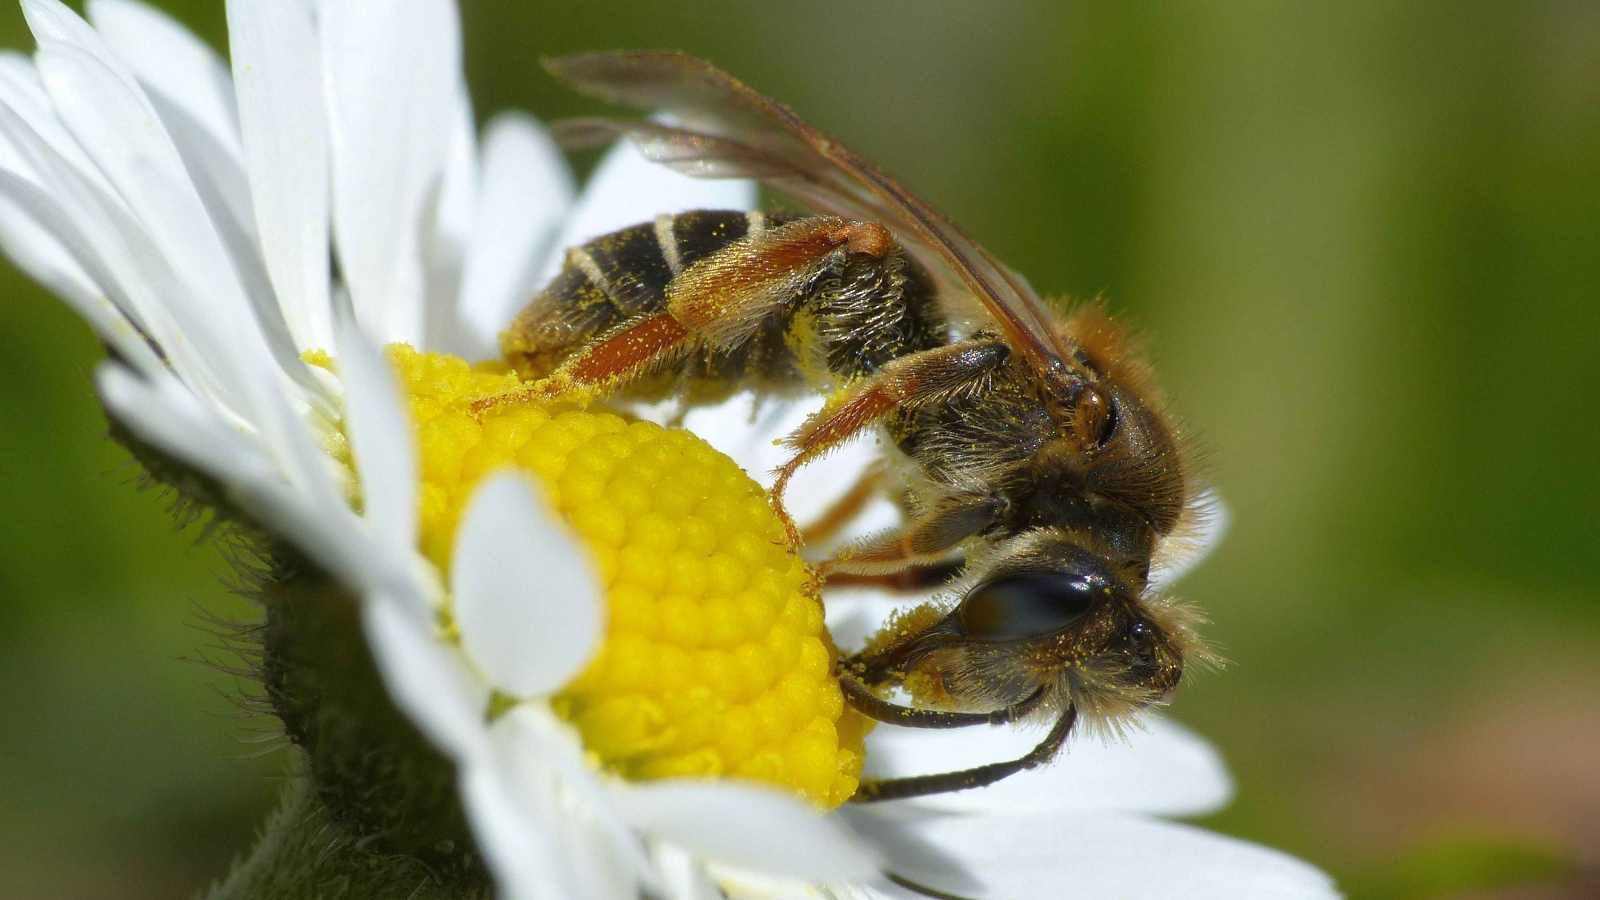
[715, 660]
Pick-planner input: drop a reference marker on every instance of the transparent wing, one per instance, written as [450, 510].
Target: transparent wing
[730, 130]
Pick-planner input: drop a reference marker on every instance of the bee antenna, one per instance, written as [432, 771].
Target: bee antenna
[876, 790]
[874, 707]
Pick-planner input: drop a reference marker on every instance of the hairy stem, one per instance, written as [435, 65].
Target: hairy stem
[304, 852]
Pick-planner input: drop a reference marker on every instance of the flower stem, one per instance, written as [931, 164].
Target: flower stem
[304, 852]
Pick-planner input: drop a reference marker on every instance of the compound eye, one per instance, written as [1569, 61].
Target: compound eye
[1029, 605]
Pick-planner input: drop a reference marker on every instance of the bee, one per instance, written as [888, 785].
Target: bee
[1037, 458]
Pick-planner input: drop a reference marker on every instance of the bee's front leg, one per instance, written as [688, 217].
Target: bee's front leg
[919, 379]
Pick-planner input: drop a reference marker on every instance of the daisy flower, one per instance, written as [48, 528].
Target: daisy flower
[190, 210]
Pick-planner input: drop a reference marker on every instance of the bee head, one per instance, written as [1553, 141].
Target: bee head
[1049, 610]
[1118, 442]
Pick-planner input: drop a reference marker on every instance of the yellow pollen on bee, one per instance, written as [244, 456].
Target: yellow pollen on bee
[715, 661]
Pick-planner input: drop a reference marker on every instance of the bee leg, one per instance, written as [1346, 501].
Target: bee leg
[905, 383]
[926, 540]
[603, 365]
[620, 356]
[875, 790]
[720, 301]
[874, 707]
[839, 514]
[915, 578]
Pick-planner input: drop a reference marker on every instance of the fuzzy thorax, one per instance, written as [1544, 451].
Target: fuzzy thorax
[715, 660]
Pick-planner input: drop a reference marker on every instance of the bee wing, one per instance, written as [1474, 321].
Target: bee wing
[731, 130]
[690, 152]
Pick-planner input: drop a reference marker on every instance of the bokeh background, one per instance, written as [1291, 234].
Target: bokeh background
[1363, 241]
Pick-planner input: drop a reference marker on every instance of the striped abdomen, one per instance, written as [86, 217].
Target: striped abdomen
[848, 322]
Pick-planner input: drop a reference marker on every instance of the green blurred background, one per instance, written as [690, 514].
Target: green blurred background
[1364, 245]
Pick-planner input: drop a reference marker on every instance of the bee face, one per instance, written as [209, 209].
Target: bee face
[1050, 614]
[1124, 660]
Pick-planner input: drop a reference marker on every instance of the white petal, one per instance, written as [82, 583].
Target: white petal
[381, 440]
[216, 169]
[132, 149]
[520, 848]
[111, 120]
[1103, 855]
[218, 178]
[446, 231]
[458, 188]
[683, 874]
[529, 805]
[526, 191]
[30, 223]
[1166, 770]
[735, 883]
[278, 79]
[23, 92]
[53, 22]
[162, 412]
[120, 256]
[299, 457]
[755, 827]
[48, 243]
[1182, 555]
[392, 83]
[111, 123]
[29, 132]
[856, 613]
[526, 594]
[44, 260]
[102, 234]
[428, 679]
[187, 84]
[627, 189]
[314, 518]
[169, 60]
[539, 731]
[750, 434]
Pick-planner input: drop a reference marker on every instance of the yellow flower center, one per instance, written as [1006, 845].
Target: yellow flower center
[715, 660]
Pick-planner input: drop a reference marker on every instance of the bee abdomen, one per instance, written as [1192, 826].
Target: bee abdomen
[617, 277]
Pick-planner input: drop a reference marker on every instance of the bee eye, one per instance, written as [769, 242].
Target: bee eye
[1030, 605]
[1095, 416]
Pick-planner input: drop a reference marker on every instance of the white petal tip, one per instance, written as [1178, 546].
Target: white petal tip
[527, 597]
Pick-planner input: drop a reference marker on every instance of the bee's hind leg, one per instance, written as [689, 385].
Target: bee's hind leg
[602, 366]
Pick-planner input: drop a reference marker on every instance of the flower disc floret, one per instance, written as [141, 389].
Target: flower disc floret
[715, 660]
